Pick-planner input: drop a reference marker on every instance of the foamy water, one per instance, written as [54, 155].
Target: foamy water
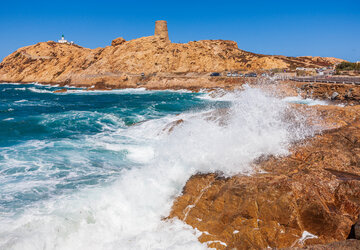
[105, 176]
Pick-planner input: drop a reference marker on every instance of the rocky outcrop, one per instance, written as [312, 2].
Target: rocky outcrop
[121, 64]
[310, 197]
[341, 92]
[118, 41]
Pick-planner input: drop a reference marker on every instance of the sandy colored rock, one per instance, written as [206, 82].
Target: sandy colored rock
[315, 189]
[118, 41]
[121, 65]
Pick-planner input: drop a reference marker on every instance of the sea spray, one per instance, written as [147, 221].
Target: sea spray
[129, 212]
[255, 125]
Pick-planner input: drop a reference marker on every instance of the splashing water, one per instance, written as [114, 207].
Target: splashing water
[101, 170]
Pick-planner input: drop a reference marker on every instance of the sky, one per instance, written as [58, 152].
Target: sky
[291, 28]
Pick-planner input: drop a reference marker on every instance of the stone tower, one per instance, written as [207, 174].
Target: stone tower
[161, 30]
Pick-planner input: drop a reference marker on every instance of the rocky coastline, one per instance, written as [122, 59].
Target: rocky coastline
[309, 199]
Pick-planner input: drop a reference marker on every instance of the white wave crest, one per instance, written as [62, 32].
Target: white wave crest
[37, 90]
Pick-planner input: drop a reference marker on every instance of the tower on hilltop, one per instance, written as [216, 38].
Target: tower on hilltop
[161, 29]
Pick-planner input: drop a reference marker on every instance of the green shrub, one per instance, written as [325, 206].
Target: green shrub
[346, 66]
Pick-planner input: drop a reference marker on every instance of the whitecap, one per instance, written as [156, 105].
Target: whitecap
[8, 119]
[23, 100]
[37, 90]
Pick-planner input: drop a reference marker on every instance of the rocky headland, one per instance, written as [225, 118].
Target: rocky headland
[164, 64]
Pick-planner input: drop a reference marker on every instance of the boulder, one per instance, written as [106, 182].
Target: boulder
[334, 95]
[118, 41]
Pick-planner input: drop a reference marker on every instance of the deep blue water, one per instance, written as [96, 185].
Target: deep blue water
[51, 144]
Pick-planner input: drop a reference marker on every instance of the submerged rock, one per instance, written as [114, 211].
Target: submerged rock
[60, 91]
[310, 197]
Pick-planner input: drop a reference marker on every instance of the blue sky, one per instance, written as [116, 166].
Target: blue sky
[293, 28]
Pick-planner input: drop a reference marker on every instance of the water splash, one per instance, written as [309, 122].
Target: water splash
[128, 212]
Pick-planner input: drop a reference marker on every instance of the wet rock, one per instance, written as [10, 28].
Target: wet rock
[309, 197]
[60, 91]
[341, 245]
[171, 126]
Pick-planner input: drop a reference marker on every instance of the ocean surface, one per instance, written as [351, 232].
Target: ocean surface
[100, 170]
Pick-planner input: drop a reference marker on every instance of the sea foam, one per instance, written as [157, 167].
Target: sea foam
[129, 212]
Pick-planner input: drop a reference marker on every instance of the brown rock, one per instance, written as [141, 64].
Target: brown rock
[118, 41]
[341, 245]
[310, 197]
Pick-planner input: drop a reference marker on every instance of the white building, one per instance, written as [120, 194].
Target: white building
[62, 40]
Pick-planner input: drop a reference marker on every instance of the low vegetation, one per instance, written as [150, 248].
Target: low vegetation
[348, 66]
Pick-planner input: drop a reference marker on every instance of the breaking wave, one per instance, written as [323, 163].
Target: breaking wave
[105, 176]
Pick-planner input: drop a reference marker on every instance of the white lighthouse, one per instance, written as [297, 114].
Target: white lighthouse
[62, 40]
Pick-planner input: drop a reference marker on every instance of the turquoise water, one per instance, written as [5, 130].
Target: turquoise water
[46, 139]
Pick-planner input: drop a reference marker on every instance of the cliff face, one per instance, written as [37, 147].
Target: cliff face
[309, 197]
[51, 62]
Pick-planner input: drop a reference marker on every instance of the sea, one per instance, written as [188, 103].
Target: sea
[101, 169]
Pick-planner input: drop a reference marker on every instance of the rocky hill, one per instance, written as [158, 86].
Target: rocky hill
[51, 62]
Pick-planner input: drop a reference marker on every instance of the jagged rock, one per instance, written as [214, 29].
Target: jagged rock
[341, 245]
[309, 197]
[118, 41]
